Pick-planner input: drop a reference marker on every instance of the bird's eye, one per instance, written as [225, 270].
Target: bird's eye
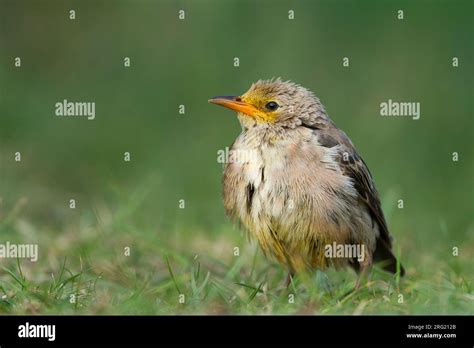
[272, 106]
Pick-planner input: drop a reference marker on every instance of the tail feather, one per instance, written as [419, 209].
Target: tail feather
[383, 253]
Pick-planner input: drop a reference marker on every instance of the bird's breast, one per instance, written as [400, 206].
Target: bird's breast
[284, 189]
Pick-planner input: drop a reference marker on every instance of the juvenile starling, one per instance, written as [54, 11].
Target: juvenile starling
[300, 187]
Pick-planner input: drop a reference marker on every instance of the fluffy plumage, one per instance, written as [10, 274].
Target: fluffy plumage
[303, 185]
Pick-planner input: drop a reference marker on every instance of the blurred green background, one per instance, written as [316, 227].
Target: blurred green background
[188, 61]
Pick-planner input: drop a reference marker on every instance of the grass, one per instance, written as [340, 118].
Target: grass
[84, 270]
[82, 266]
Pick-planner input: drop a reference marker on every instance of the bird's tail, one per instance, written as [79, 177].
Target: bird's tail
[383, 253]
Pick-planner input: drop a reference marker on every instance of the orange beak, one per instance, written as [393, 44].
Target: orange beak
[235, 103]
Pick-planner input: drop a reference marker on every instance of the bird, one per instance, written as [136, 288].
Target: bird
[298, 185]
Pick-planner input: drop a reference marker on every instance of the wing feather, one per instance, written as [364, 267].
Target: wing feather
[353, 166]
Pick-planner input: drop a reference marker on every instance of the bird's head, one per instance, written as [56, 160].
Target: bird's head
[274, 101]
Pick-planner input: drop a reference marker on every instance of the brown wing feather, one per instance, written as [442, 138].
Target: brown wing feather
[353, 166]
[360, 174]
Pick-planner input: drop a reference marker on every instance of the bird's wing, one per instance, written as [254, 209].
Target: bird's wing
[353, 166]
[357, 170]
